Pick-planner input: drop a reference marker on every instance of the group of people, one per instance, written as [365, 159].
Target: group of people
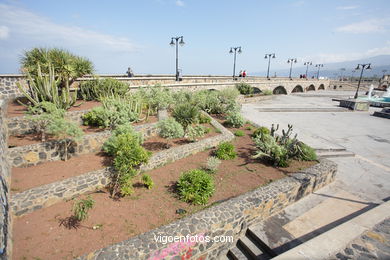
[242, 73]
[302, 76]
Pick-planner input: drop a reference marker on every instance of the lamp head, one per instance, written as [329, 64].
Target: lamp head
[357, 67]
[273, 56]
[266, 56]
[239, 50]
[172, 43]
[231, 50]
[369, 66]
[181, 41]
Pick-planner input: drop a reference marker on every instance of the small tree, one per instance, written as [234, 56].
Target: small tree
[66, 131]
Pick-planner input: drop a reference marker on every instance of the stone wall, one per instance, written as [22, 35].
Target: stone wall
[33, 154]
[8, 88]
[247, 99]
[49, 194]
[23, 125]
[5, 183]
[228, 218]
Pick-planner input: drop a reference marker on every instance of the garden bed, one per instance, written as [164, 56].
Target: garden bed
[16, 110]
[39, 234]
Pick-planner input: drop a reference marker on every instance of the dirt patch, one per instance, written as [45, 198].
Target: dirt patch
[39, 234]
[27, 178]
[15, 109]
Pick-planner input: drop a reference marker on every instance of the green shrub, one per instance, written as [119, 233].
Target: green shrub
[81, 207]
[157, 97]
[225, 151]
[203, 119]
[212, 164]
[269, 148]
[261, 130]
[235, 119]
[66, 131]
[306, 153]
[195, 186]
[228, 95]
[186, 114]
[250, 128]
[244, 88]
[114, 111]
[170, 128]
[129, 155]
[239, 133]
[195, 132]
[147, 181]
[100, 88]
[110, 146]
[267, 92]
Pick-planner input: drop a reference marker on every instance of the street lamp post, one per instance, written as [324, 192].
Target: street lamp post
[291, 60]
[307, 63]
[353, 72]
[269, 56]
[318, 72]
[366, 66]
[236, 49]
[172, 43]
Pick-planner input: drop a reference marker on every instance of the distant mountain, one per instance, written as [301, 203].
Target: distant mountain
[332, 70]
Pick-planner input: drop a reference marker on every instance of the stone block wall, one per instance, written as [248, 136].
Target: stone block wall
[22, 125]
[49, 194]
[228, 218]
[5, 183]
[8, 88]
[33, 154]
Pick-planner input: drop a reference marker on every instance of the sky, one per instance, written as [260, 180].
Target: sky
[118, 34]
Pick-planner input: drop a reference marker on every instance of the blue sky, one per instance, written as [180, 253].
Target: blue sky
[118, 34]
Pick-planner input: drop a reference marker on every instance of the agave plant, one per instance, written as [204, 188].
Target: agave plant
[47, 88]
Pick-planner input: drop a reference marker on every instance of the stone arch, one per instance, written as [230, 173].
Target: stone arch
[212, 89]
[298, 88]
[334, 87]
[279, 90]
[340, 86]
[311, 88]
[322, 87]
[256, 90]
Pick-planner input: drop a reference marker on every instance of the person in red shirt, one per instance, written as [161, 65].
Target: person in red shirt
[244, 73]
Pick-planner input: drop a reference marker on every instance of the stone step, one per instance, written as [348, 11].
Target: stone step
[236, 254]
[252, 249]
[333, 154]
[302, 109]
[270, 236]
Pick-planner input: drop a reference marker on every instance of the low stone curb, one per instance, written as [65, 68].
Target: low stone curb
[49, 194]
[228, 218]
[33, 154]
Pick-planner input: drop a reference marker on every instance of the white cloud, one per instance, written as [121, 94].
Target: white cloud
[341, 57]
[179, 3]
[37, 29]
[349, 7]
[4, 32]
[368, 26]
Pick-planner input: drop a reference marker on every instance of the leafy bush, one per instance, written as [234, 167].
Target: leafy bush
[186, 114]
[81, 207]
[212, 164]
[281, 149]
[203, 119]
[235, 119]
[195, 132]
[250, 128]
[244, 88]
[261, 131]
[128, 156]
[228, 95]
[267, 92]
[110, 146]
[239, 133]
[225, 151]
[114, 111]
[170, 128]
[100, 88]
[66, 131]
[195, 186]
[147, 181]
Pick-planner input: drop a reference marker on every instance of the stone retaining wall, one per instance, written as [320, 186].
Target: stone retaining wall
[5, 183]
[33, 154]
[49, 194]
[229, 218]
[22, 125]
[246, 99]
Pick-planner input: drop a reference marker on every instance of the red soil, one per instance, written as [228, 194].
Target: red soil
[39, 235]
[15, 109]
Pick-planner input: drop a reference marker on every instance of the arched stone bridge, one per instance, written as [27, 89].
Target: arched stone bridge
[276, 85]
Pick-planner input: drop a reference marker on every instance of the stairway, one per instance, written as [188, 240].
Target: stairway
[251, 246]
